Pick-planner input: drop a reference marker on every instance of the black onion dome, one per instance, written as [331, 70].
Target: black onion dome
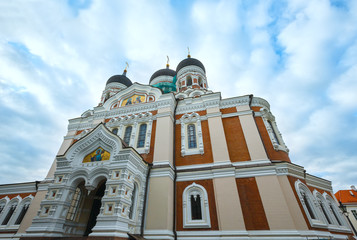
[120, 79]
[163, 72]
[189, 62]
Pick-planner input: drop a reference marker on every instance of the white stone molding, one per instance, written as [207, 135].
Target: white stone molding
[134, 120]
[87, 113]
[335, 212]
[22, 203]
[260, 102]
[234, 102]
[272, 129]
[14, 202]
[194, 190]
[302, 190]
[82, 134]
[258, 234]
[113, 217]
[185, 120]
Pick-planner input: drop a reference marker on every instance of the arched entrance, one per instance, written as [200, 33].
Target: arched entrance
[95, 197]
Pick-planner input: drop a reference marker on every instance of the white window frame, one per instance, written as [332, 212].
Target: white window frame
[15, 201]
[135, 121]
[301, 189]
[279, 144]
[330, 200]
[188, 222]
[26, 201]
[185, 120]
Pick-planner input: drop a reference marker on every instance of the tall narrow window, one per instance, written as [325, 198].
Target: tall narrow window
[115, 131]
[189, 81]
[200, 82]
[191, 133]
[354, 212]
[22, 214]
[127, 134]
[142, 135]
[274, 133]
[325, 213]
[308, 206]
[73, 209]
[196, 211]
[9, 214]
[2, 208]
[335, 214]
[133, 200]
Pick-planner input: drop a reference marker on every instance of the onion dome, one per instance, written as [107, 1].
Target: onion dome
[123, 79]
[190, 62]
[163, 72]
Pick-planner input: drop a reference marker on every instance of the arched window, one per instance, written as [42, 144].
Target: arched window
[133, 201]
[195, 207]
[188, 81]
[115, 131]
[73, 209]
[127, 134]
[142, 135]
[2, 205]
[334, 210]
[308, 201]
[191, 134]
[21, 216]
[274, 133]
[9, 214]
[196, 211]
[200, 81]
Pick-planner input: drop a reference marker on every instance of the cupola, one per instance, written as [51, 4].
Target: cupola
[164, 79]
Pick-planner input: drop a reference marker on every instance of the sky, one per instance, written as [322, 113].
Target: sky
[299, 55]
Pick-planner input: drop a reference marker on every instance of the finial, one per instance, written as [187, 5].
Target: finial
[126, 67]
[168, 60]
[188, 52]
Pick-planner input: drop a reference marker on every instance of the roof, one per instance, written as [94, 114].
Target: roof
[345, 196]
[120, 79]
[189, 62]
[163, 72]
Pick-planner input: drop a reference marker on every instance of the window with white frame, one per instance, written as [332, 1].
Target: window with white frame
[22, 213]
[273, 131]
[309, 204]
[191, 134]
[134, 197]
[354, 212]
[195, 207]
[323, 207]
[142, 135]
[9, 212]
[339, 219]
[127, 134]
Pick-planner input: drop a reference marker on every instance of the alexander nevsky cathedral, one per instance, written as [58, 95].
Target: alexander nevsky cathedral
[171, 159]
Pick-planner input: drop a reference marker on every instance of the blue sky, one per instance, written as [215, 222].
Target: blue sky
[300, 55]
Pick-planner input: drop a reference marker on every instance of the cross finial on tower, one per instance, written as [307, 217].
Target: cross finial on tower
[188, 52]
[168, 60]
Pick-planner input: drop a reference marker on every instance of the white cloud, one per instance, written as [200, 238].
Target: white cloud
[299, 55]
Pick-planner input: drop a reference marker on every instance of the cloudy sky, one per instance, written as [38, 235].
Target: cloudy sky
[300, 55]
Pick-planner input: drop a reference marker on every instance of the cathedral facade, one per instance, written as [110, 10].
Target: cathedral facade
[173, 160]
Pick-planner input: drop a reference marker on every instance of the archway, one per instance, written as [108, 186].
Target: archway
[96, 197]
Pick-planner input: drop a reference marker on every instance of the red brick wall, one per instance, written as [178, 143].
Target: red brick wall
[237, 146]
[208, 185]
[251, 203]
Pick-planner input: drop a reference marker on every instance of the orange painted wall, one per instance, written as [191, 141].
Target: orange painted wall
[22, 195]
